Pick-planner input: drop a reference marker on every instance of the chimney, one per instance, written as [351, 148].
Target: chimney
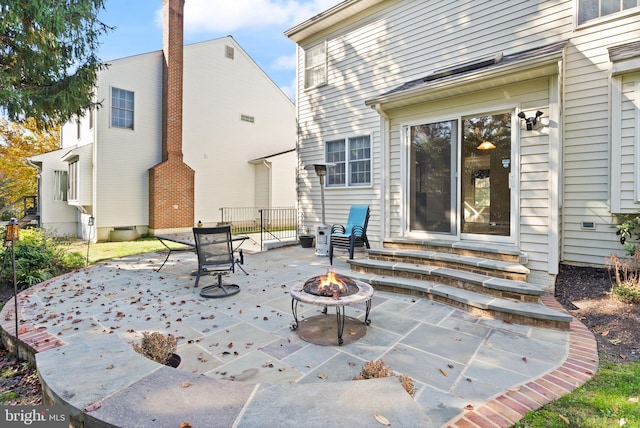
[171, 182]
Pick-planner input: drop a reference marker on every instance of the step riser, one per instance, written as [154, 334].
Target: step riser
[459, 266]
[452, 250]
[447, 281]
[506, 317]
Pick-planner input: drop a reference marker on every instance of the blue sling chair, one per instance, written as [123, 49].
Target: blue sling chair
[353, 235]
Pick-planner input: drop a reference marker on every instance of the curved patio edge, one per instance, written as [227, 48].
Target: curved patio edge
[105, 383]
[508, 407]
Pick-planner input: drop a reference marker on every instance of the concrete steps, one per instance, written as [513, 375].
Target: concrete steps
[486, 281]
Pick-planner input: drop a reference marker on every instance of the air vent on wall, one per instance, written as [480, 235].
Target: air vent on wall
[228, 52]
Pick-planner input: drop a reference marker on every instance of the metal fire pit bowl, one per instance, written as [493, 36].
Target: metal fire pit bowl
[360, 292]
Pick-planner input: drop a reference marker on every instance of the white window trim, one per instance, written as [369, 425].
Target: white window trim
[325, 65]
[111, 107]
[601, 19]
[347, 160]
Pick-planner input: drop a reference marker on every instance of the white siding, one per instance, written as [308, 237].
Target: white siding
[123, 156]
[217, 144]
[57, 217]
[565, 168]
[588, 178]
[399, 41]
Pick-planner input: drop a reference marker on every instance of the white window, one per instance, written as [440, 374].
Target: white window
[352, 159]
[315, 66]
[592, 9]
[73, 181]
[60, 185]
[121, 108]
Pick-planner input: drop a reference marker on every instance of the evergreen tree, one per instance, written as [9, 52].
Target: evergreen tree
[48, 62]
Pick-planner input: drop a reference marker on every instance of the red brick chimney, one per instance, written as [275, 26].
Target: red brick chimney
[171, 182]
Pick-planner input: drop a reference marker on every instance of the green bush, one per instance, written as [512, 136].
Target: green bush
[629, 228]
[38, 258]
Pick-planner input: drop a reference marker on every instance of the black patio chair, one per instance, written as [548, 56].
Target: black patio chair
[214, 247]
[353, 235]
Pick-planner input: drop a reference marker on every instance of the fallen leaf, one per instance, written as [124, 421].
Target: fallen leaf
[443, 372]
[185, 425]
[605, 333]
[110, 366]
[622, 422]
[633, 399]
[186, 384]
[468, 407]
[524, 359]
[564, 419]
[92, 407]
[322, 375]
[490, 345]
[382, 419]
[450, 366]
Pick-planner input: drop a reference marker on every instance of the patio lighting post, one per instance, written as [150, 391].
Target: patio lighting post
[11, 235]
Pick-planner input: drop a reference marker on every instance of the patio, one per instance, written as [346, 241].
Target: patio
[242, 365]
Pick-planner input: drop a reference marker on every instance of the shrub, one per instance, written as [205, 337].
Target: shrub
[156, 346]
[625, 277]
[378, 369]
[38, 258]
[629, 228]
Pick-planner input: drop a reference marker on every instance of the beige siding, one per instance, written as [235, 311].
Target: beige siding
[589, 171]
[395, 42]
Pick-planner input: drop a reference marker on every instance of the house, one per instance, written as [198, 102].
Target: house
[230, 129]
[498, 124]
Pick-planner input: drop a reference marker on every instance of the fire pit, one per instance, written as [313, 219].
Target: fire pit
[332, 290]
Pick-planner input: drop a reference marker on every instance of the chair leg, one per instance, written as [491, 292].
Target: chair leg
[352, 244]
[330, 253]
[197, 278]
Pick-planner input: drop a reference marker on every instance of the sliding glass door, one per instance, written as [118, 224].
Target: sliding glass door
[459, 176]
[432, 168]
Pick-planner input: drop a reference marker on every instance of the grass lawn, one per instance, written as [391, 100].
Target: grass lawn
[610, 399]
[110, 250]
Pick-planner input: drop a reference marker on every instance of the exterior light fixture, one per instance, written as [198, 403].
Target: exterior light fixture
[11, 233]
[486, 146]
[530, 121]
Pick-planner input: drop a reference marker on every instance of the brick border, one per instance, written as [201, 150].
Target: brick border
[510, 406]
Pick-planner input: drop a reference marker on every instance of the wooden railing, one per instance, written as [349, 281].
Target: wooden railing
[26, 205]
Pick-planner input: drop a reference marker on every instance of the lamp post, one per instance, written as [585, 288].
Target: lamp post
[11, 235]
[90, 224]
[322, 243]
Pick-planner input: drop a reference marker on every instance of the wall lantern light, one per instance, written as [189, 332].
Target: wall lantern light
[530, 121]
[11, 233]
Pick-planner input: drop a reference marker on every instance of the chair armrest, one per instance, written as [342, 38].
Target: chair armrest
[337, 228]
[357, 231]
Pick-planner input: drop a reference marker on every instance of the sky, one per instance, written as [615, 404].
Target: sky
[257, 25]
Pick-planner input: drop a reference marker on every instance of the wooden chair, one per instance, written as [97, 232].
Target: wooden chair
[214, 247]
[354, 234]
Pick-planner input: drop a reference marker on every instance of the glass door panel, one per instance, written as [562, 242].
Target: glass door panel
[486, 166]
[432, 184]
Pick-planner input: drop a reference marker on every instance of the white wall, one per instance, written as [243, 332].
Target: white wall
[217, 144]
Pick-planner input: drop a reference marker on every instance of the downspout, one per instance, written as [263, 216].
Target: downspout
[384, 152]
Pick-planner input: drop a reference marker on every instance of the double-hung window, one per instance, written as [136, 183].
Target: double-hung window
[352, 162]
[60, 185]
[315, 66]
[73, 181]
[121, 108]
[592, 9]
